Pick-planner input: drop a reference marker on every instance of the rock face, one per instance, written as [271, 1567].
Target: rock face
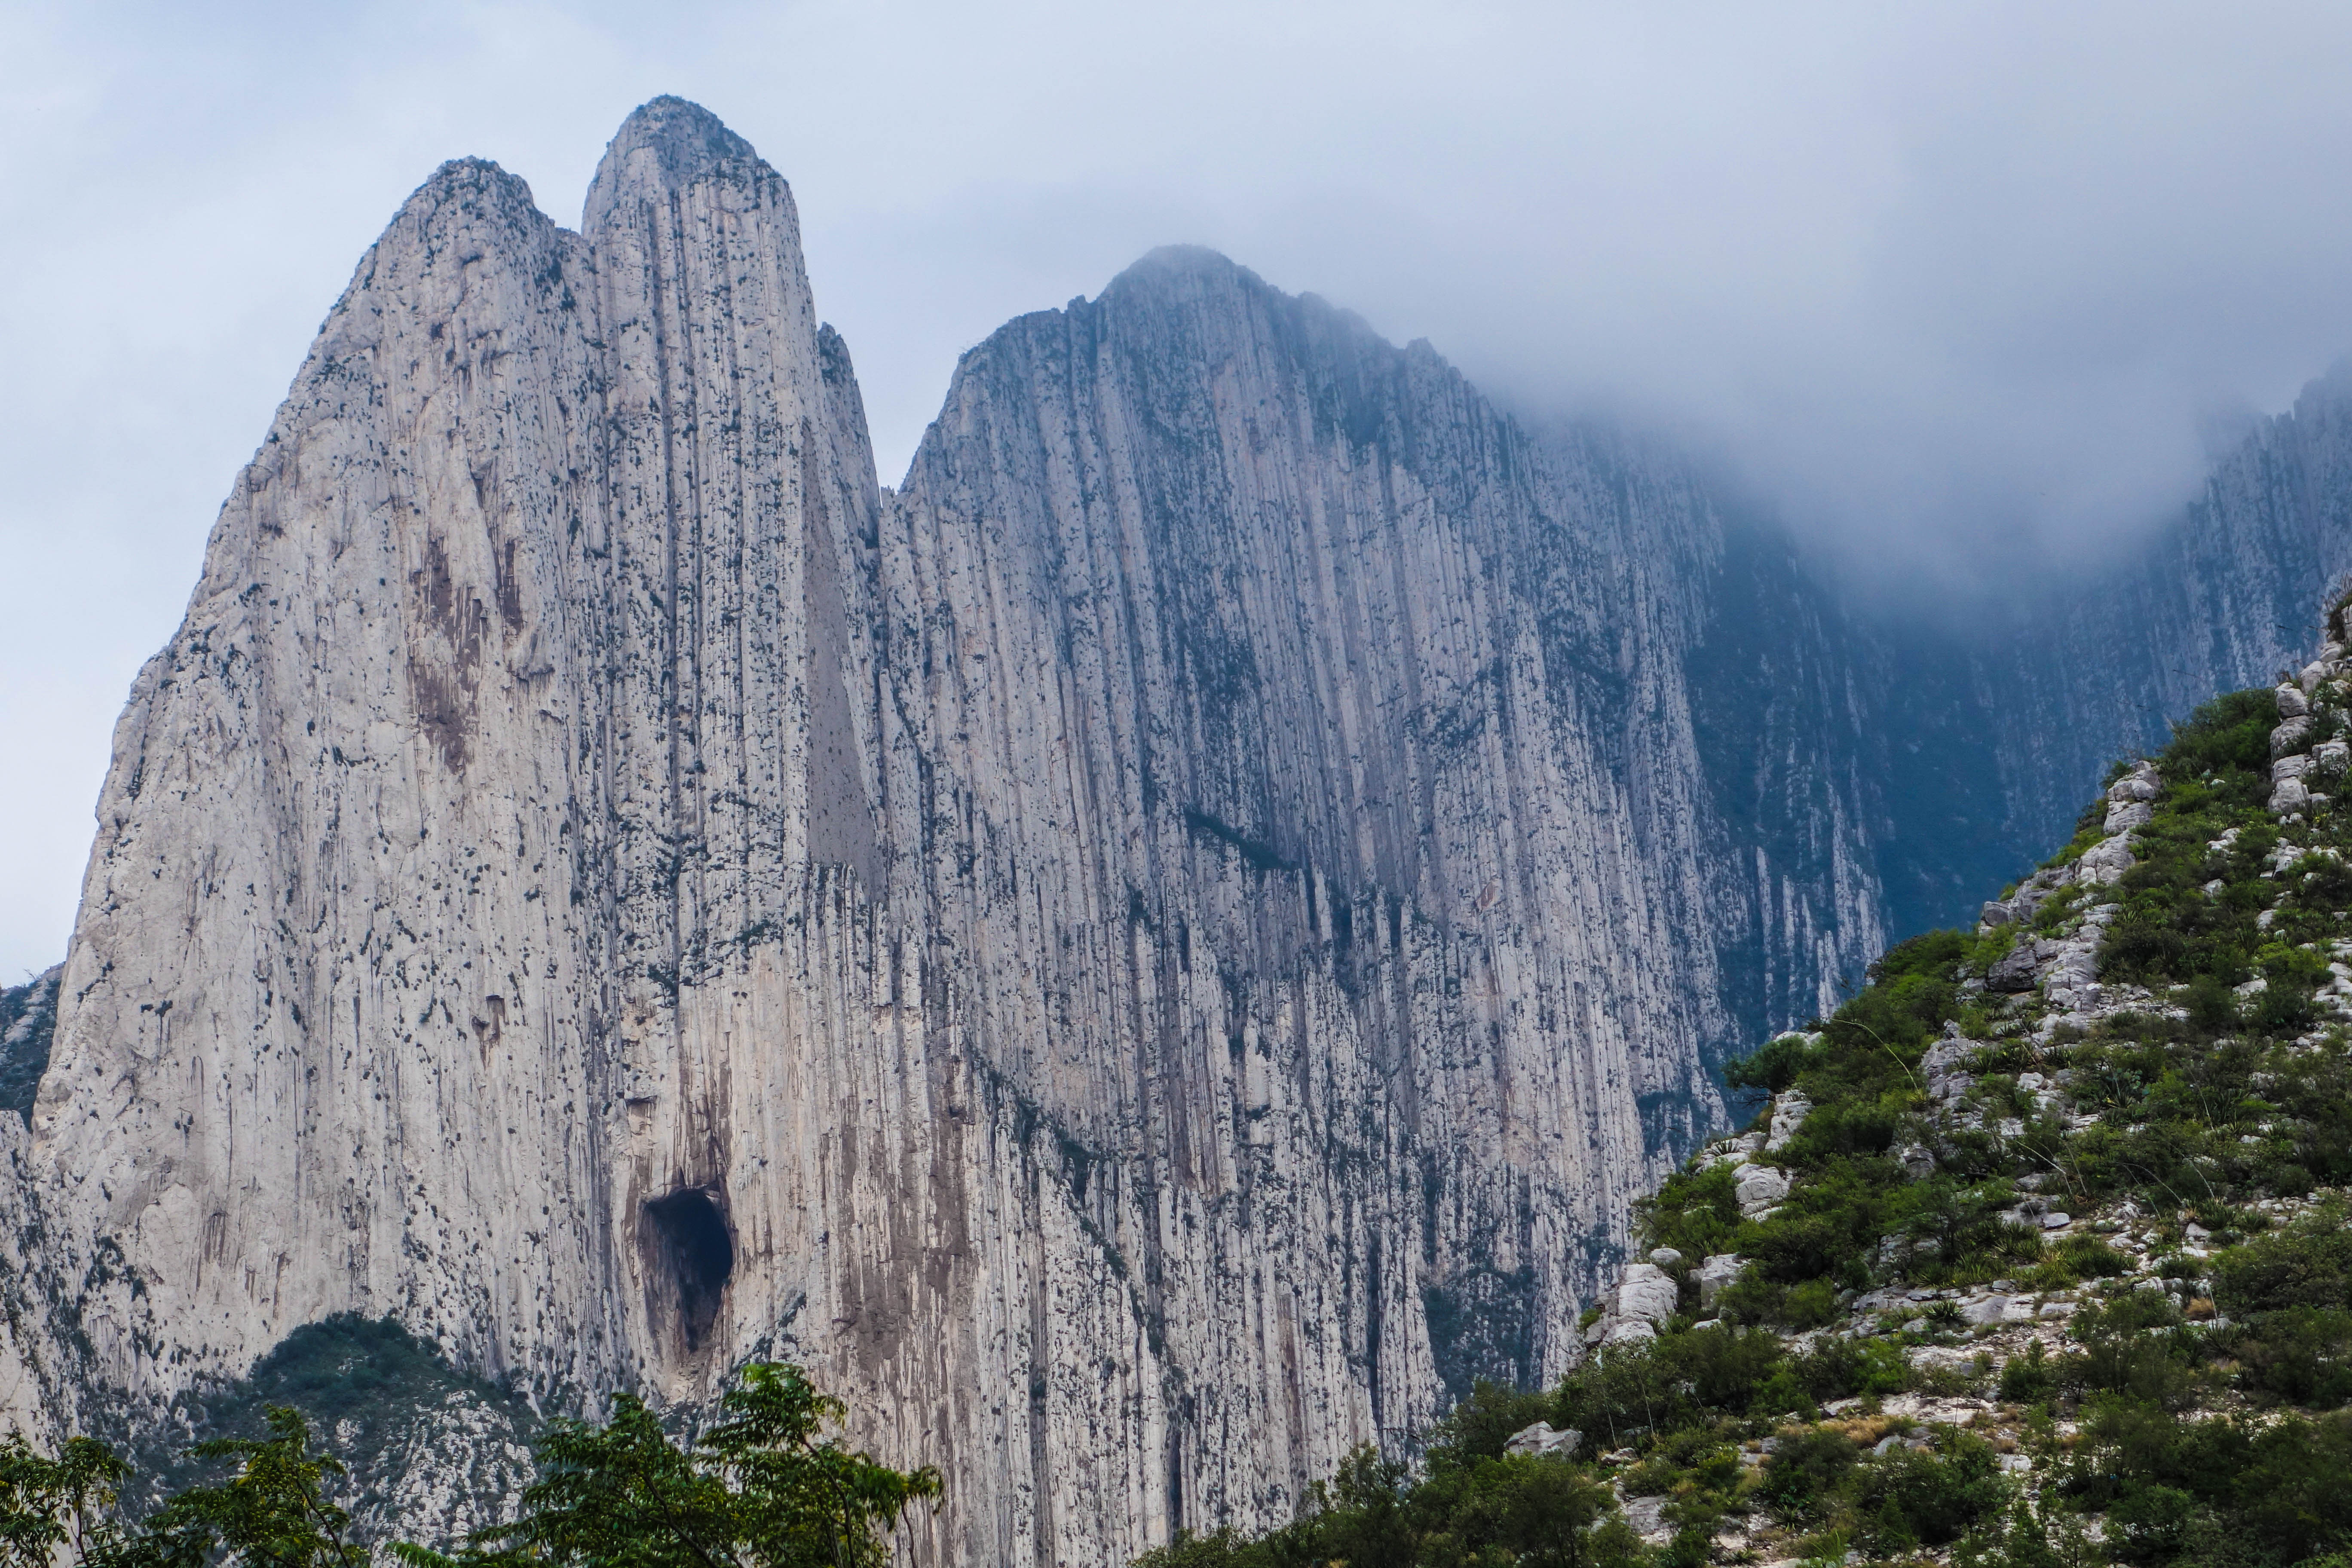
[1148, 957]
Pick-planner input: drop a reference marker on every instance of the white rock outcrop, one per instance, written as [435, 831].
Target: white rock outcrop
[1759, 1187]
[1646, 1292]
[1788, 1113]
[1717, 1274]
[1544, 1439]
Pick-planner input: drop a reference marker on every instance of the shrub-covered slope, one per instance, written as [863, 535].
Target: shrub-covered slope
[433, 1453]
[2037, 1253]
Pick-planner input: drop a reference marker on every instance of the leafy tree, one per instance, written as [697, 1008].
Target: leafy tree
[58, 1508]
[273, 1513]
[764, 1488]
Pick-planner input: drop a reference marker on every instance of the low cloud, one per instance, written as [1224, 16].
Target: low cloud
[1959, 289]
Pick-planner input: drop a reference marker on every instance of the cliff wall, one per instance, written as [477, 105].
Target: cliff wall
[1148, 956]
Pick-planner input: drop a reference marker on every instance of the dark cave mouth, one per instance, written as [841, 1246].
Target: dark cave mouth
[695, 1252]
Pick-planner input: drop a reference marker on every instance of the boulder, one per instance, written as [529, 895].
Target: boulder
[1664, 1257]
[2124, 816]
[1996, 912]
[1788, 1113]
[1647, 1515]
[2288, 796]
[1917, 1160]
[2105, 861]
[1648, 1294]
[1630, 1332]
[2034, 891]
[1760, 1187]
[2017, 968]
[1543, 1437]
[1717, 1273]
[2293, 767]
[1985, 1310]
[2290, 736]
[2292, 704]
[1947, 1058]
[2332, 757]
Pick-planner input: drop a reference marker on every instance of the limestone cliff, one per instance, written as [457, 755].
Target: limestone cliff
[1148, 956]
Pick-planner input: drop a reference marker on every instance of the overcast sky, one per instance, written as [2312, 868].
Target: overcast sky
[1956, 287]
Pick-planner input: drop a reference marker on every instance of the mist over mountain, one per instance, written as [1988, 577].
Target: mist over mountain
[1953, 289]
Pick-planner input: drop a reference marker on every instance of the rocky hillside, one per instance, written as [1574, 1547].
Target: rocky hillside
[430, 1452]
[2040, 1251]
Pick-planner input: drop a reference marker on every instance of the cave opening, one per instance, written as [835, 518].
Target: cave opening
[696, 1253]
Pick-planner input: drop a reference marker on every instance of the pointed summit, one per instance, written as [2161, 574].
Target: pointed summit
[1182, 261]
[665, 144]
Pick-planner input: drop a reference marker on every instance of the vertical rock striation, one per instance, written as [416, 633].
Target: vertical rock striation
[1150, 956]
[1311, 784]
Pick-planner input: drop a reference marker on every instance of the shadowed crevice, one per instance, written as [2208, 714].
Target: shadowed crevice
[694, 1258]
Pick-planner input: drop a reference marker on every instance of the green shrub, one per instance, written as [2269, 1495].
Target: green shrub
[2302, 1268]
[1932, 954]
[1838, 1369]
[2302, 1354]
[2231, 733]
[1908, 1498]
[2212, 1006]
[1724, 1367]
[1696, 1213]
[1804, 1473]
[1773, 1066]
[1846, 1127]
[1488, 1417]
[2088, 1258]
[1810, 1305]
[2151, 1522]
[2028, 1379]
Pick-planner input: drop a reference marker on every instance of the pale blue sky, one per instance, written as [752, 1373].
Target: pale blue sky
[1953, 284]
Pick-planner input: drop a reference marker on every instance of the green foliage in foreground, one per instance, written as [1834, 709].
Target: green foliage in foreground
[764, 1488]
[1468, 1508]
[2206, 1424]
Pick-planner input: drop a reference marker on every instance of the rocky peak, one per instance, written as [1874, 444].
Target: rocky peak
[665, 146]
